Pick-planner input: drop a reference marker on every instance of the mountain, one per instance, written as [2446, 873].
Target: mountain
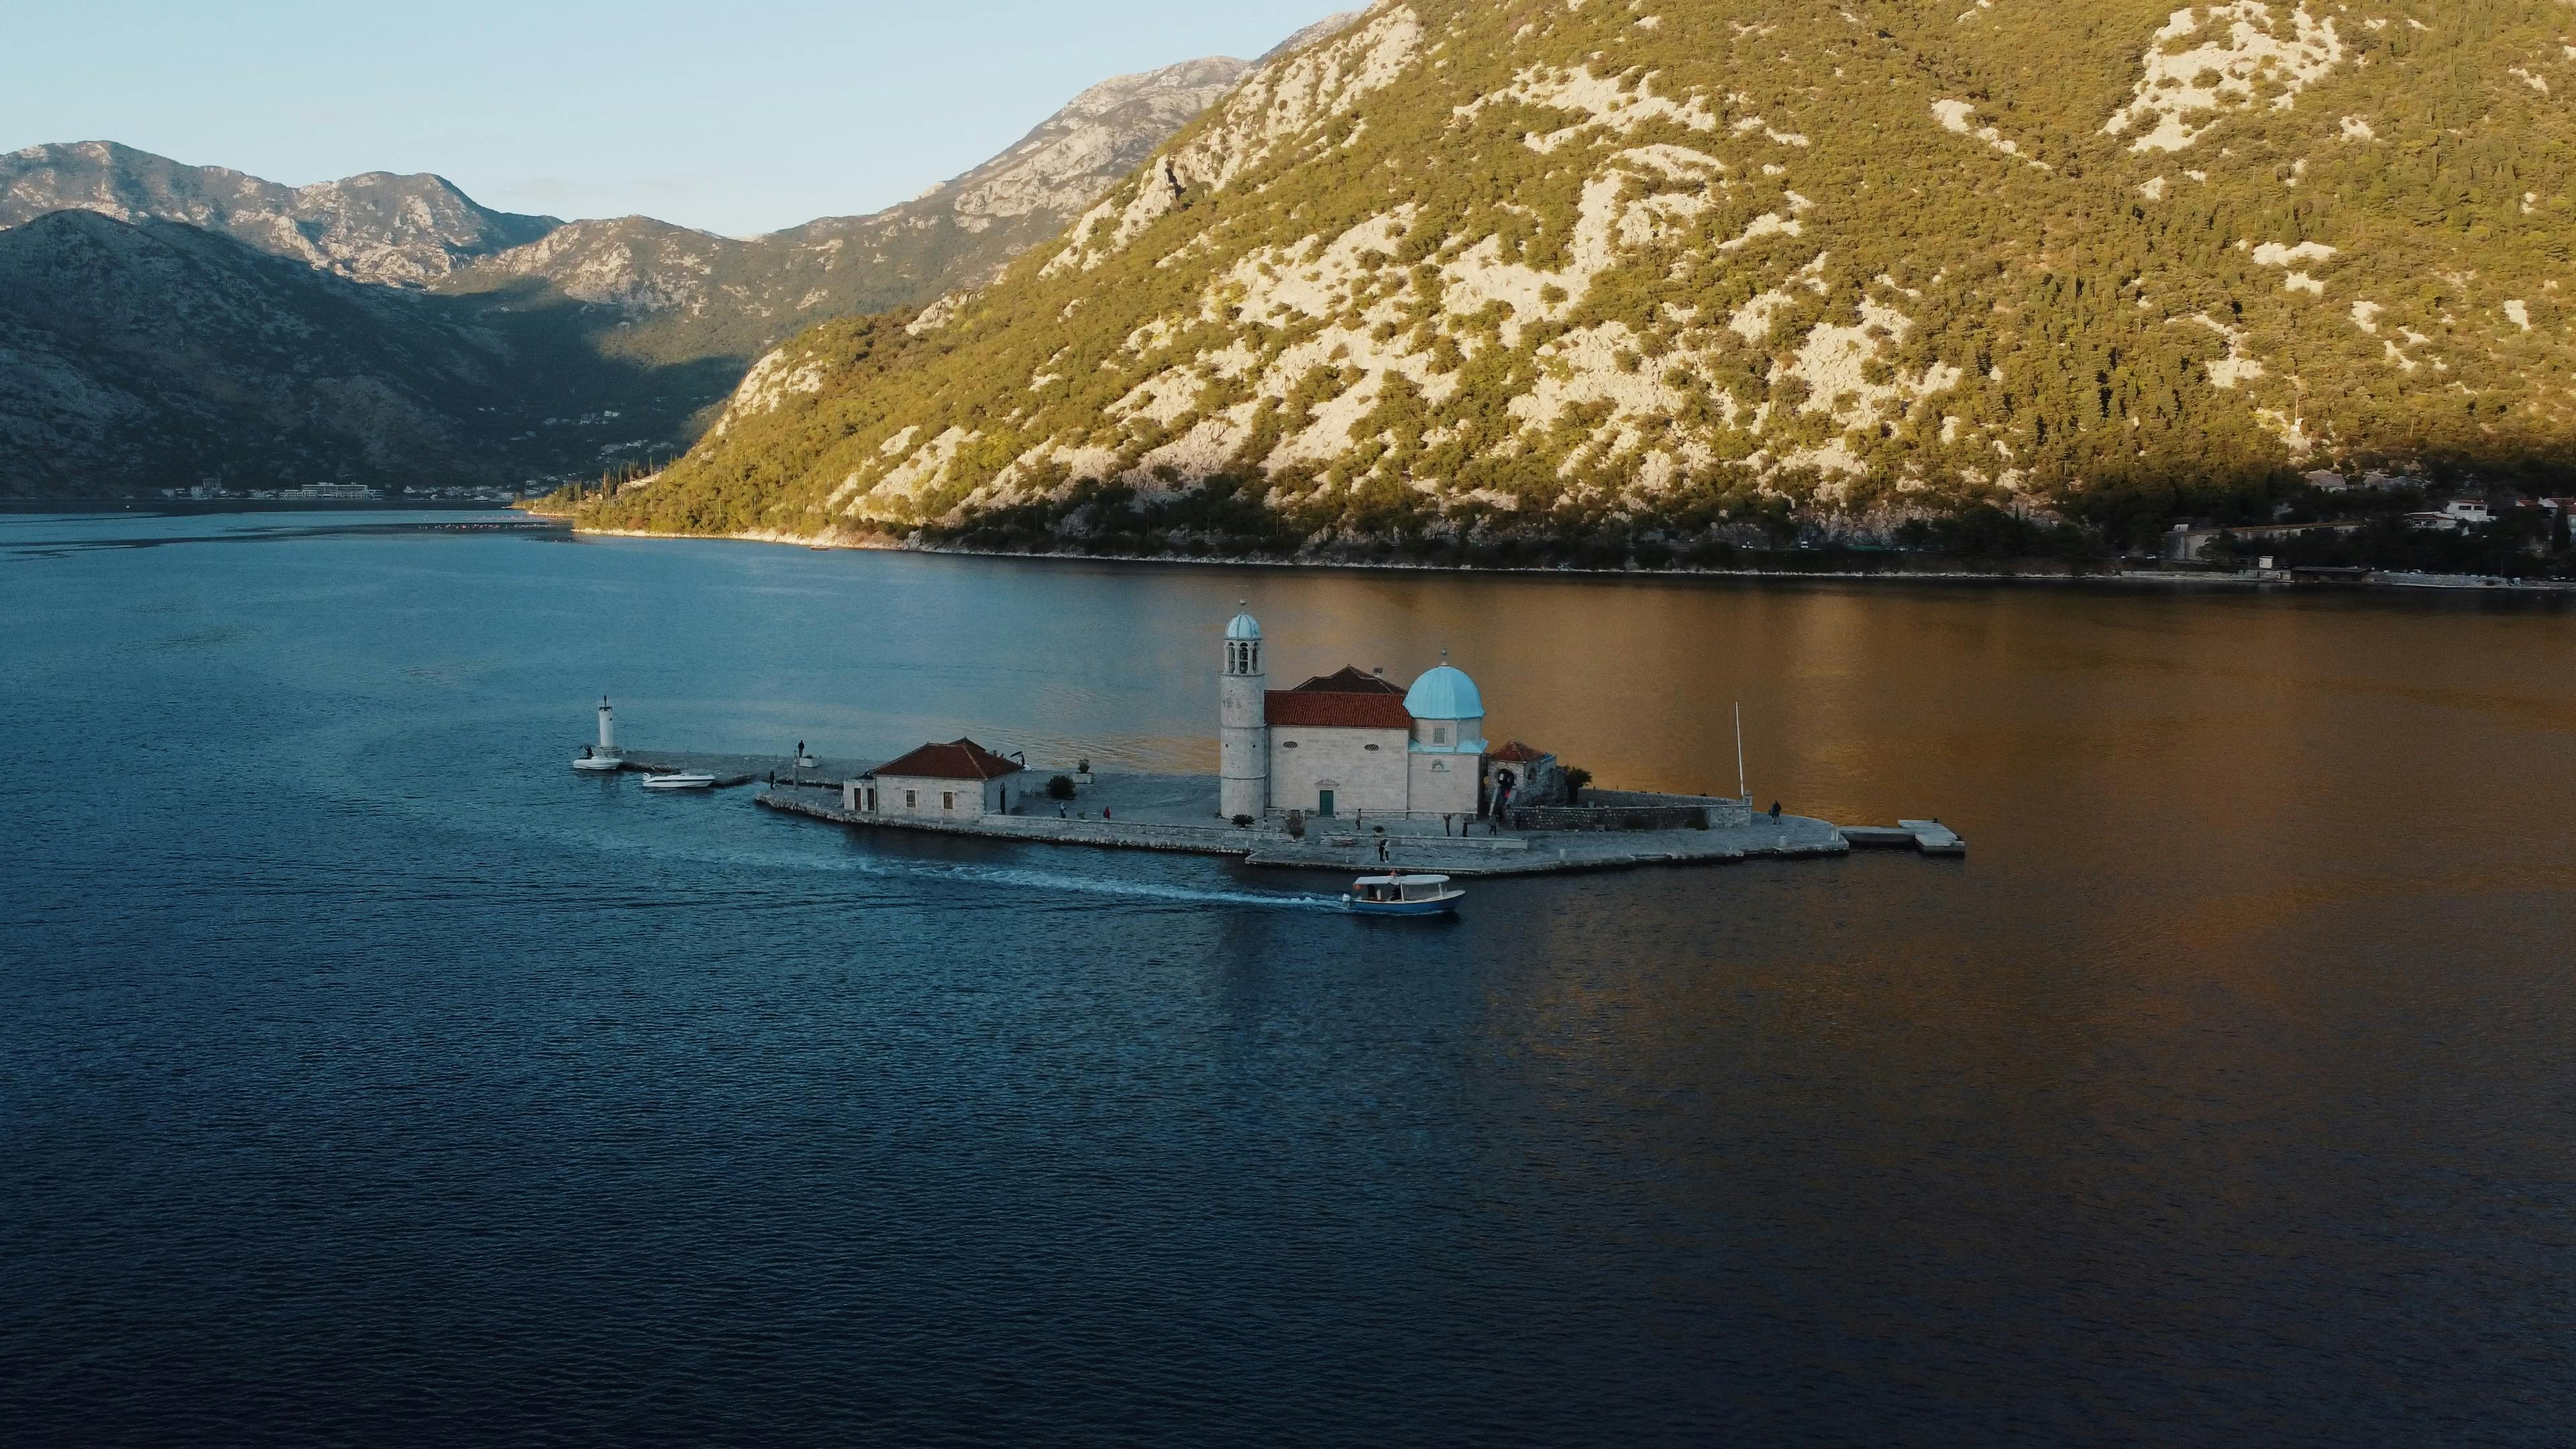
[1671, 269]
[153, 353]
[403, 230]
[615, 339]
[665, 293]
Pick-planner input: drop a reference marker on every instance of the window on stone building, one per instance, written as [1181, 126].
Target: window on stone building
[911, 799]
[947, 800]
[1439, 734]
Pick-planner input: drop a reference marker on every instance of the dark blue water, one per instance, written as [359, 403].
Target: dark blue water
[366, 1076]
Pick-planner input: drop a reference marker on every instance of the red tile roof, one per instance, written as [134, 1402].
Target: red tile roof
[1337, 710]
[1349, 679]
[956, 760]
[1516, 753]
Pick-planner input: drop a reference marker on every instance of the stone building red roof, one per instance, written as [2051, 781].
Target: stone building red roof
[1516, 753]
[1347, 680]
[956, 760]
[1316, 709]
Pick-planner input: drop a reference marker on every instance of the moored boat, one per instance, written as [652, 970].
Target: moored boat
[685, 780]
[1402, 895]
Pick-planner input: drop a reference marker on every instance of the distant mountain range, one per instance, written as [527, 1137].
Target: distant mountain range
[399, 230]
[161, 323]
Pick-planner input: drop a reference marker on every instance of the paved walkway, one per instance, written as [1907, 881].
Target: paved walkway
[1160, 814]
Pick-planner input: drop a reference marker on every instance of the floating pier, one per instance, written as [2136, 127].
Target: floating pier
[1928, 836]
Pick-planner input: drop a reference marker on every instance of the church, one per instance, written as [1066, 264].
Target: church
[1347, 743]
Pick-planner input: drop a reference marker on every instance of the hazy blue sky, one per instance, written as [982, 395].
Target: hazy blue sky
[735, 118]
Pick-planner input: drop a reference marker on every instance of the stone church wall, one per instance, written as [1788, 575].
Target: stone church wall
[1368, 767]
[1445, 784]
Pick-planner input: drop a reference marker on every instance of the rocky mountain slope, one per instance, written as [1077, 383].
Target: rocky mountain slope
[1480, 268]
[152, 354]
[664, 293]
[615, 338]
[403, 230]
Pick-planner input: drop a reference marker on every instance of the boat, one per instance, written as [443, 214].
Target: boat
[685, 780]
[1402, 895]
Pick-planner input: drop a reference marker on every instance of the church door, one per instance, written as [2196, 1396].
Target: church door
[1324, 803]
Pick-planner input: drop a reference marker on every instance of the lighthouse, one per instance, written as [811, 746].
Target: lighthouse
[1243, 732]
[603, 760]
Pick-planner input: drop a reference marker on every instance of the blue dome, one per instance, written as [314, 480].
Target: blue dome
[1444, 693]
[1243, 627]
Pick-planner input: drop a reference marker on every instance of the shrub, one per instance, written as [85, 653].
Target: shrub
[1576, 777]
[1243, 822]
[1060, 788]
[1296, 825]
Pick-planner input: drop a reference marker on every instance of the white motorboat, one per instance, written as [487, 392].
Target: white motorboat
[685, 780]
[1402, 895]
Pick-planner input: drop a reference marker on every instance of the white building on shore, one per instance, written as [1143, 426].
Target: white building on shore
[960, 780]
[1346, 743]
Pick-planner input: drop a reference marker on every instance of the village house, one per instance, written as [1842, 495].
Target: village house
[960, 780]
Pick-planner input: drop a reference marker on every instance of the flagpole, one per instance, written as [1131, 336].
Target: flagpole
[1740, 791]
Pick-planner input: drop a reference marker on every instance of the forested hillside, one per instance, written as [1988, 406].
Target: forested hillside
[586, 345]
[152, 354]
[1526, 268]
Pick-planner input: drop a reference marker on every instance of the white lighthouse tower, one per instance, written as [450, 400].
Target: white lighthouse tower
[1243, 727]
[605, 759]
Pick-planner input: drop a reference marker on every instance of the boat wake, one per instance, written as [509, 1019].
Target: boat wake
[1055, 882]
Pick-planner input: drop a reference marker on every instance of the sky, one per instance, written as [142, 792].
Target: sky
[735, 119]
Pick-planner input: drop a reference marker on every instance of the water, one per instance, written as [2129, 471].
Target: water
[366, 1075]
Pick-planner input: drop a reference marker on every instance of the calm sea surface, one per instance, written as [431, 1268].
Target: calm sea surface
[368, 1077]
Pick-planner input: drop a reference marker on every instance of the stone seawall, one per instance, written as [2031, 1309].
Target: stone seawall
[1356, 853]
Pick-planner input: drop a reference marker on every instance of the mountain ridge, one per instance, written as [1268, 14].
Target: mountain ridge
[633, 320]
[1485, 267]
[374, 227]
[156, 353]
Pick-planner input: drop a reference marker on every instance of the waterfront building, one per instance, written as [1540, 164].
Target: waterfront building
[1523, 772]
[960, 780]
[1347, 743]
[1446, 756]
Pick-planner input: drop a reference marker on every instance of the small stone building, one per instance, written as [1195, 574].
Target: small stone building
[960, 780]
[1536, 778]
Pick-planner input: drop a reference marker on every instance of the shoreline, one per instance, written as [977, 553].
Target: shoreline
[2129, 578]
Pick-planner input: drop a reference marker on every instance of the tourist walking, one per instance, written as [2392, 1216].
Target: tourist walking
[1775, 812]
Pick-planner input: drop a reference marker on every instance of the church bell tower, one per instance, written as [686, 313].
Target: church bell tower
[1243, 726]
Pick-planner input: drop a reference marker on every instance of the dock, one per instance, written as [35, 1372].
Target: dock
[1168, 813]
[1931, 837]
[734, 770]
